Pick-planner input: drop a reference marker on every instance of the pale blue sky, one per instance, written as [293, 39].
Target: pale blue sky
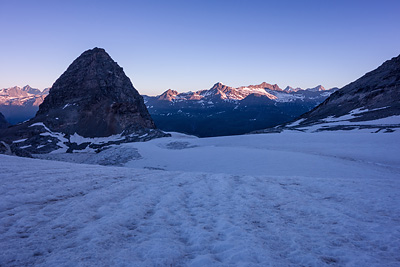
[190, 45]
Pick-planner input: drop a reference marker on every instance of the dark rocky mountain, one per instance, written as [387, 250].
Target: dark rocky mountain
[370, 102]
[19, 104]
[93, 98]
[224, 110]
[3, 122]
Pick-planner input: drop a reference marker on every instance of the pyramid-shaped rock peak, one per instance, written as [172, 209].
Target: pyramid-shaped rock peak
[94, 98]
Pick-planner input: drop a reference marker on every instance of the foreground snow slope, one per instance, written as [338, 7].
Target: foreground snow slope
[261, 200]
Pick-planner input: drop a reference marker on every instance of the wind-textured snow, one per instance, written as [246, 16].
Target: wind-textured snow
[289, 199]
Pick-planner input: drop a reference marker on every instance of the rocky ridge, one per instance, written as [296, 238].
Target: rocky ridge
[371, 102]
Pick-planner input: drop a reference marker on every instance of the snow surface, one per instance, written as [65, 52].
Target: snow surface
[343, 120]
[246, 91]
[20, 140]
[295, 123]
[371, 125]
[76, 138]
[325, 154]
[285, 97]
[289, 199]
[391, 120]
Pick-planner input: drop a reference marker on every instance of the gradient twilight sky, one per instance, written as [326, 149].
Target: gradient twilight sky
[192, 44]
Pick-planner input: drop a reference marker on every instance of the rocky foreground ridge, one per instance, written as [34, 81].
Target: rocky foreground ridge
[91, 106]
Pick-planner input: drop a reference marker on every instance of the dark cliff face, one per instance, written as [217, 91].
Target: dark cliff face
[94, 98]
[3, 122]
[378, 90]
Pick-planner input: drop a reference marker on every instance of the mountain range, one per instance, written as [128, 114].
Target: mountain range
[224, 110]
[371, 102]
[208, 112]
[226, 93]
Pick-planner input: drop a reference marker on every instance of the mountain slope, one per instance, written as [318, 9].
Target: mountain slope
[370, 102]
[378, 89]
[224, 110]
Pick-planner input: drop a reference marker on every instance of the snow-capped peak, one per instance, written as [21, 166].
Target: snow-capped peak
[318, 88]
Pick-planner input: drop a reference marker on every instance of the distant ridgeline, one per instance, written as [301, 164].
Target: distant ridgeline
[223, 110]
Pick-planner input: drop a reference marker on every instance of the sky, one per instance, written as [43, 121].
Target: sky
[190, 45]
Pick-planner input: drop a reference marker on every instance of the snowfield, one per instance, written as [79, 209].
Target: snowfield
[288, 199]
